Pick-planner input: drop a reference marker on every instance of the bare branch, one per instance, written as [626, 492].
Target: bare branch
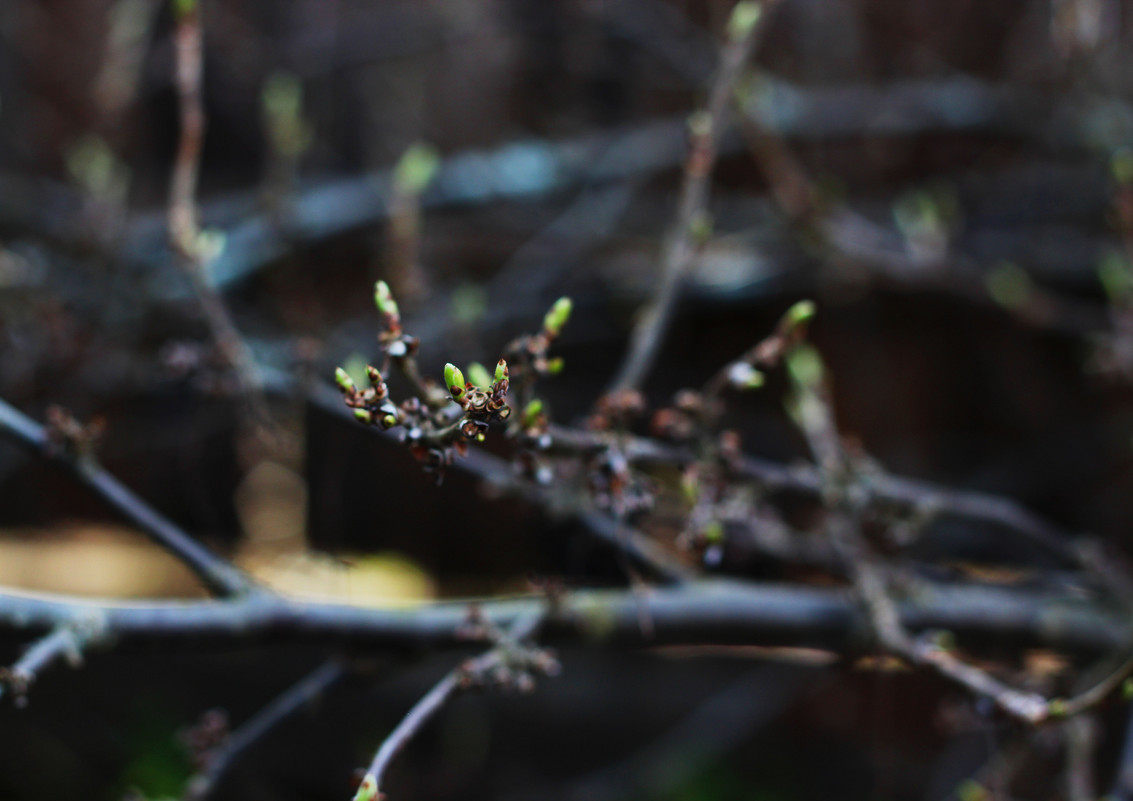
[679, 248]
[220, 576]
[294, 699]
[65, 642]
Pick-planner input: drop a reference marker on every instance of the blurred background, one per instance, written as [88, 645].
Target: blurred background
[951, 182]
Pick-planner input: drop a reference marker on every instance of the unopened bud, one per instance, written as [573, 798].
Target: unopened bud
[557, 317]
[501, 370]
[344, 381]
[374, 375]
[555, 365]
[742, 375]
[383, 299]
[363, 416]
[454, 380]
[799, 314]
[532, 412]
[389, 421]
[368, 789]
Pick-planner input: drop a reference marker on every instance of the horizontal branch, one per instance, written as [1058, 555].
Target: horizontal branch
[696, 613]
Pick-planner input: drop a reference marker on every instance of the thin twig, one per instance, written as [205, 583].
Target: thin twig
[679, 248]
[64, 642]
[292, 700]
[473, 672]
[219, 575]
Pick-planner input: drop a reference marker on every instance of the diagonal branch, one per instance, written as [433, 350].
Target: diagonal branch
[219, 575]
[679, 249]
[294, 699]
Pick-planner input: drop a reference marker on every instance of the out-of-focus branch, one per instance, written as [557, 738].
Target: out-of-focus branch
[66, 642]
[679, 248]
[220, 576]
[190, 246]
[509, 655]
[697, 613]
[294, 699]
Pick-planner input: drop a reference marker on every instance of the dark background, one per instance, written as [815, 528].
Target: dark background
[982, 134]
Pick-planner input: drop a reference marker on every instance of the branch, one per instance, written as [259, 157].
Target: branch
[220, 576]
[697, 613]
[679, 249]
[299, 695]
[64, 642]
[189, 246]
[508, 654]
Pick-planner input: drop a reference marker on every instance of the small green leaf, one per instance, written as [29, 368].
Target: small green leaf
[502, 373]
[363, 416]
[555, 365]
[557, 317]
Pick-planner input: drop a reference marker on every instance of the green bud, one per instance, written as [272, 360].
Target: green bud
[502, 371]
[478, 375]
[1056, 708]
[1121, 166]
[344, 381]
[374, 375]
[368, 789]
[690, 487]
[970, 790]
[389, 421]
[805, 367]
[454, 380]
[363, 416]
[383, 299]
[799, 314]
[1009, 285]
[714, 533]
[416, 169]
[532, 412]
[745, 15]
[555, 365]
[557, 317]
[183, 8]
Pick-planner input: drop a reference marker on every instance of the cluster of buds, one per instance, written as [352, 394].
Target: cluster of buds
[371, 406]
[680, 422]
[481, 405]
[616, 487]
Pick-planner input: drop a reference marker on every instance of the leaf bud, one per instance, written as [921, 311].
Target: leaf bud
[454, 380]
[383, 299]
[557, 317]
[502, 373]
[344, 381]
